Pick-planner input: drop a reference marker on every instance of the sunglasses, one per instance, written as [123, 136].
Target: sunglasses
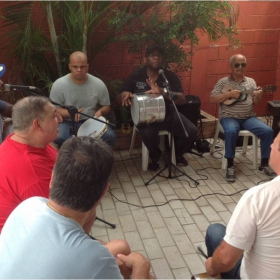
[237, 65]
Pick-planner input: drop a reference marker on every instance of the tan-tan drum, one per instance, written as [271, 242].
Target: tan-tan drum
[146, 108]
[202, 276]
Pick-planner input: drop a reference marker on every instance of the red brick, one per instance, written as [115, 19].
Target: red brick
[271, 50]
[272, 21]
[254, 64]
[246, 36]
[269, 7]
[241, 23]
[268, 78]
[259, 36]
[216, 67]
[271, 36]
[269, 63]
[251, 51]
[213, 52]
[210, 82]
[104, 58]
[226, 53]
[256, 22]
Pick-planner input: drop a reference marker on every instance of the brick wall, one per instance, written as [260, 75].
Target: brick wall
[258, 26]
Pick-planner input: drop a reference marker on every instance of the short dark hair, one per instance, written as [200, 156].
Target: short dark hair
[151, 48]
[26, 110]
[81, 173]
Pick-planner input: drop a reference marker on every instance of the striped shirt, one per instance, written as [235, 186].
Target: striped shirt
[240, 109]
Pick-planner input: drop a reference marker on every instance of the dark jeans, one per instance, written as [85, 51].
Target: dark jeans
[214, 236]
[64, 133]
[149, 134]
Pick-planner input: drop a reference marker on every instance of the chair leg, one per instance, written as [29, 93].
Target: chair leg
[255, 152]
[145, 157]
[132, 139]
[245, 144]
[215, 140]
[224, 161]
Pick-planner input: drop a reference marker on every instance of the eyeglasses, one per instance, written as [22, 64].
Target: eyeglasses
[237, 65]
[154, 55]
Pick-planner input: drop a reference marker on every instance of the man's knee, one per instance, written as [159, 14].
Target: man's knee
[215, 232]
[118, 246]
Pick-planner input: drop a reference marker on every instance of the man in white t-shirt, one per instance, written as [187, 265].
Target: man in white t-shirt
[249, 247]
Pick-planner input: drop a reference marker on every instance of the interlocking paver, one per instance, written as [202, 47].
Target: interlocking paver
[168, 235]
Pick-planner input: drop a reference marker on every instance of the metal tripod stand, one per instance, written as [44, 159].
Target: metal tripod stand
[170, 165]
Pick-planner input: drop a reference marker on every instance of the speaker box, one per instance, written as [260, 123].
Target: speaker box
[191, 108]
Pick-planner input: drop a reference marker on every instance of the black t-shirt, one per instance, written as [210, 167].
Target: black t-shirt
[136, 83]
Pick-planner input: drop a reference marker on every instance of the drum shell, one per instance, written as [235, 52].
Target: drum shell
[147, 108]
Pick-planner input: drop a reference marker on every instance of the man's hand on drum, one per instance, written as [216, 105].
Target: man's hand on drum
[155, 89]
[77, 116]
[126, 95]
[98, 114]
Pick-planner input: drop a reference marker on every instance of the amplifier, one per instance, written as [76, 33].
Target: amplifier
[274, 107]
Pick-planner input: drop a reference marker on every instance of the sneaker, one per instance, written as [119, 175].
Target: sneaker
[153, 166]
[182, 161]
[265, 169]
[230, 174]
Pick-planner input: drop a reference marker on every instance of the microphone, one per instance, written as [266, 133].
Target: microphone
[8, 87]
[2, 69]
[161, 72]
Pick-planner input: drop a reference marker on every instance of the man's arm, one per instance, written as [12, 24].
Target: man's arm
[139, 265]
[104, 110]
[224, 259]
[8, 111]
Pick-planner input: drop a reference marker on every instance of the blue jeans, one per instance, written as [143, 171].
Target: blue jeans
[232, 127]
[64, 133]
[214, 236]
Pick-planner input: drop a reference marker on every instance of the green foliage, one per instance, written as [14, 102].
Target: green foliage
[41, 57]
[171, 24]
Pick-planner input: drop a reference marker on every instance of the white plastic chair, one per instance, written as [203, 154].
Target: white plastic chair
[246, 135]
[145, 152]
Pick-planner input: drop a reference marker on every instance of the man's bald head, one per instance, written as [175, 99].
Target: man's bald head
[78, 56]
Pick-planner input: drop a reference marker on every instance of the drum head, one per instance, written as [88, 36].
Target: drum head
[92, 128]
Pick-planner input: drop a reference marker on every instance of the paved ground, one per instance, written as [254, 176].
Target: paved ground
[168, 234]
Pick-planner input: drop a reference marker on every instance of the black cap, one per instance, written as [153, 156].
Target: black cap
[154, 48]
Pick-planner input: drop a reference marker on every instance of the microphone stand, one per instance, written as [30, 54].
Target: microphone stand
[72, 112]
[170, 164]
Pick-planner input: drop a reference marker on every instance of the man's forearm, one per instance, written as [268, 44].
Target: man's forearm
[105, 110]
[224, 258]
[63, 113]
[141, 271]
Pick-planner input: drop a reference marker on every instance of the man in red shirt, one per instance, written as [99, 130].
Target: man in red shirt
[26, 156]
